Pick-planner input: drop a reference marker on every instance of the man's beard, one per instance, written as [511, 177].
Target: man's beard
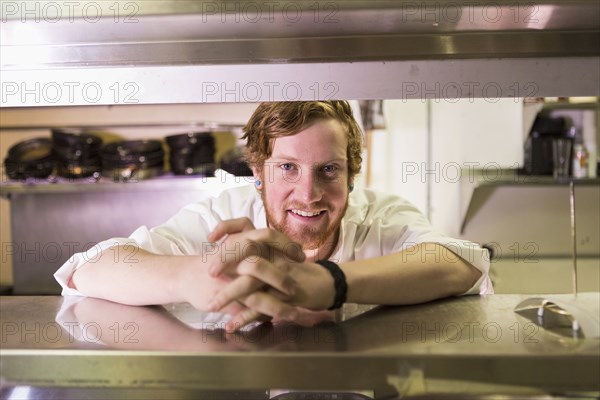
[309, 238]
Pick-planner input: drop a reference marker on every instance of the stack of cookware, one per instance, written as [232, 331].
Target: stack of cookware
[31, 158]
[132, 159]
[192, 153]
[76, 154]
[72, 153]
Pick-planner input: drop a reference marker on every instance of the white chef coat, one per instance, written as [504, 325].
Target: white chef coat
[375, 224]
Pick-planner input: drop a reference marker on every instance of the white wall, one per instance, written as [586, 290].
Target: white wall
[425, 145]
[399, 150]
[470, 133]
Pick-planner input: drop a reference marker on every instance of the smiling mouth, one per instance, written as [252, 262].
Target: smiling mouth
[307, 214]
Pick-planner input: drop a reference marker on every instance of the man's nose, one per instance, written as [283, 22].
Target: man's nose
[309, 188]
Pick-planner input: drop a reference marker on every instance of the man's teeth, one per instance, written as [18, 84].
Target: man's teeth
[306, 213]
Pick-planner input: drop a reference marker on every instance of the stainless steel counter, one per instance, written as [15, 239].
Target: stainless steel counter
[474, 340]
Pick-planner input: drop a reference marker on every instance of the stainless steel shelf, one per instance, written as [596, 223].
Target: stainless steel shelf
[229, 51]
[560, 105]
[477, 185]
[187, 126]
[167, 182]
[176, 33]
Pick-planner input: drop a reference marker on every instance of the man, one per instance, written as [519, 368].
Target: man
[296, 241]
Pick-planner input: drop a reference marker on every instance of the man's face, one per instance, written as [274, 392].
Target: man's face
[305, 184]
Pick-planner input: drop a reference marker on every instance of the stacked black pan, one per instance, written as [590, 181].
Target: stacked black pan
[77, 154]
[132, 159]
[192, 153]
[31, 158]
[71, 153]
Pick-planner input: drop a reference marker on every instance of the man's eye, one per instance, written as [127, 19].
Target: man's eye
[330, 172]
[330, 169]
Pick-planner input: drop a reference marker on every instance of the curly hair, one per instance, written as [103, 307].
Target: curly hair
[279, 119]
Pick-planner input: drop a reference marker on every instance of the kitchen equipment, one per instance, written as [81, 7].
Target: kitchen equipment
[192, 153]
[77, 154]
[132, 159]
[30, 159]
[538, 146]
[561, 157]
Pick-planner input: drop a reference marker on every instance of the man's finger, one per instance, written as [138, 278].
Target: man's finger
[254, 277]
[241, 319]
[242, 250]
[265, 243]
[255, 245]
[274, 274]
[239, 288]
[267, 304]
[278, 241]
[260, 304]
[230, 226]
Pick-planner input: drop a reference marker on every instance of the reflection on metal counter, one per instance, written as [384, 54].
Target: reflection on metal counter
[472, 345]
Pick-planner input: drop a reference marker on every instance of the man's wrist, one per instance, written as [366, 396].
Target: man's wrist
[339, 283]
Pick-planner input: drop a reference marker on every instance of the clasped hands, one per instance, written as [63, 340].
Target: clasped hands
[266, 273]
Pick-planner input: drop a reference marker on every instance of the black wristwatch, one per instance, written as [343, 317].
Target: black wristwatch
[339, 282]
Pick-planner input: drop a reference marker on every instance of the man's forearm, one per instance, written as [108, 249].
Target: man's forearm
[422, 273]
[140, 279]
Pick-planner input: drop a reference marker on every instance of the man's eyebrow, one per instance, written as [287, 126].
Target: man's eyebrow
[291, 158]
